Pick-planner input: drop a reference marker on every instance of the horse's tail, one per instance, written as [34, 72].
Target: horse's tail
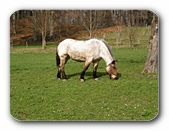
[57, 59]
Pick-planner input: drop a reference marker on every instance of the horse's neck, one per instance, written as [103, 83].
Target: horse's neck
[106, 54]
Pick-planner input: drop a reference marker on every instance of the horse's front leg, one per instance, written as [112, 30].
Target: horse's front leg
[84, 70]
[95, 65]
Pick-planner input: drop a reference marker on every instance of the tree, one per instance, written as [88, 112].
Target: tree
[151, 64]
[42, 24]
[131, 29]
[88, 19]
[119, 18]
[131, 33]
[51, 25]
[34, 26]
[14, 23]
[58, 24]
[60, 14]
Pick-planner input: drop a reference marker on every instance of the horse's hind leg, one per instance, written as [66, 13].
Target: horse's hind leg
[95, 65]
[58, 65]
[61, 71]
[58, 74]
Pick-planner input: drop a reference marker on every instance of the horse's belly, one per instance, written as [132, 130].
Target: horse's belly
[78, 57]
[78, 60]
[81, 52]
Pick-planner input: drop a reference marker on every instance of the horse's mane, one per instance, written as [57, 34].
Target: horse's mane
[108, 47]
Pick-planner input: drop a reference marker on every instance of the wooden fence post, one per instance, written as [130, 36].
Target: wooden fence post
[11, 44]
[26, 44]
[138, 41]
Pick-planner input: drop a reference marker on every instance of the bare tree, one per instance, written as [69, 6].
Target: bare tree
[51, 25]
[14, 23]
[60, 14]
[34, 25]
[42, 24]
[131, 33]
[131, 29]
[65, 23]
[88, 19]
[119, 18]
[151, 64]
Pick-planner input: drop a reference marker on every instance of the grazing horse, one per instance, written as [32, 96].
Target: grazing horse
[88, 51]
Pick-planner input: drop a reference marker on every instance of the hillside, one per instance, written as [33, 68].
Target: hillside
[25, 33]
[27, 26]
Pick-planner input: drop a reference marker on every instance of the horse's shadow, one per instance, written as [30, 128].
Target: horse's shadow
[99, 74]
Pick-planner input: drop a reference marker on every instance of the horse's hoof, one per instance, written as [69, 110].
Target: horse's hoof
[96, 79]
[81, 80]
[58, 78]
[64, 80]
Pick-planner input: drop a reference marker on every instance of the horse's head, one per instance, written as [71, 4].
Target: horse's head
[112, 70]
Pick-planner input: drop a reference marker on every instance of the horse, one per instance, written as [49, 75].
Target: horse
[88, 51]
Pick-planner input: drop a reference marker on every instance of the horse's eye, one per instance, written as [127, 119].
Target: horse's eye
[114, 67]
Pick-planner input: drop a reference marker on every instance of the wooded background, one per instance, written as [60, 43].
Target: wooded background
[38, 26]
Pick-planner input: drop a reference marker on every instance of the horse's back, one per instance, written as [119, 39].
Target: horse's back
[78, 49]
[72, 44]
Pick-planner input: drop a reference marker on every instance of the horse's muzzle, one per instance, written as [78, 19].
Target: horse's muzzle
[114, 77]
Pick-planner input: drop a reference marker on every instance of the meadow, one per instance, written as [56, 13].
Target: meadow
[35, 94]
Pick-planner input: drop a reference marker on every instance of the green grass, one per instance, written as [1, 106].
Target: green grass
[35, 94]
[142, 34]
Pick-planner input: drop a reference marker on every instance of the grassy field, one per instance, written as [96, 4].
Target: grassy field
[35, 94]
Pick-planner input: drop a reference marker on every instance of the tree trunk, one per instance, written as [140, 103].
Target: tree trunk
[119, 35]
[51, 25]
[44, 18]
[90, 22]
[151, 64]
[34, 26]
[43, 41]
[14, 23]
